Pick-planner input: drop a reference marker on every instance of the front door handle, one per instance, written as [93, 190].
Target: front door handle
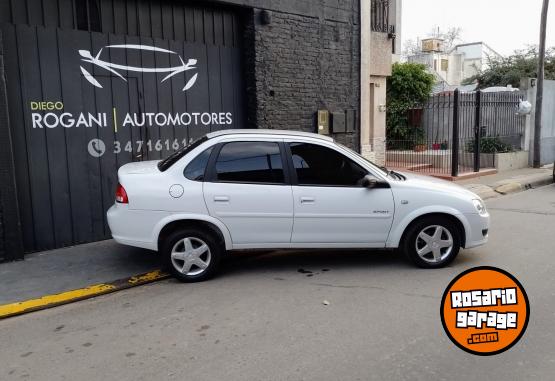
[221, 199]
[308, 200]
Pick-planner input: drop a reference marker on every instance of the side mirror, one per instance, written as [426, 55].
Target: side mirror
[369, 182]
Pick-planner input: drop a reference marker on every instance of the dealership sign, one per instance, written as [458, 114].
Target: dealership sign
[113, 67]
[53, 119]
[51, 114]
[83, 104]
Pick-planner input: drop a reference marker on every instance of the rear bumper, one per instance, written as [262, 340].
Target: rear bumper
[478, 232]
[133, 227]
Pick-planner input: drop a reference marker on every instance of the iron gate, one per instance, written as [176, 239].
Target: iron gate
[82, 104]
[456, 132]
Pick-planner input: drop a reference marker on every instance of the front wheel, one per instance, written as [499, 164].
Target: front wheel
[432, 242]
[192, 255]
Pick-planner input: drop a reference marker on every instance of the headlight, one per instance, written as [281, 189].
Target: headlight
[480, 207]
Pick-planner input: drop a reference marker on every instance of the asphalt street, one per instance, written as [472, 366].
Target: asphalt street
[265, 317]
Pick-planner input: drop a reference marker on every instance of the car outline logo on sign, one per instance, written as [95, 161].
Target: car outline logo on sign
[113, 67]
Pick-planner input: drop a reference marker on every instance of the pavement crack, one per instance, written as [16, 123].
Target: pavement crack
[374, 288]
[344, 286]
[418, 295]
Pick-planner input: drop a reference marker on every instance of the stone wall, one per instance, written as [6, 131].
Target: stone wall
[299, 64]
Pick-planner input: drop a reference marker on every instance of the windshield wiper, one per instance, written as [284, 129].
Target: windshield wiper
[398, 175]
[385, 170]
[389, 172]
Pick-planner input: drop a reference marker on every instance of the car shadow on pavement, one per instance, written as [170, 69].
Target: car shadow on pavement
[310, 261]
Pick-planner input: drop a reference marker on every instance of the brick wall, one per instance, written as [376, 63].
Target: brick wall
[299, 64]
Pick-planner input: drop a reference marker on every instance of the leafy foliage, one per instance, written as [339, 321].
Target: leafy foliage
[409, 86]
[503, 71]
[490, 145]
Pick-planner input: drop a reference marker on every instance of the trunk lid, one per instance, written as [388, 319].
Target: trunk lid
[140, 168]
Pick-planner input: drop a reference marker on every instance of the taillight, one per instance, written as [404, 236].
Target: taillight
[121, 195]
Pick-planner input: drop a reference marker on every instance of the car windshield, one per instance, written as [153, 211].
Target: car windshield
[174, 157]
[382, 169]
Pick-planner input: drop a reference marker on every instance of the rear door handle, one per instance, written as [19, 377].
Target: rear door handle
[221, 199]
[308, 200]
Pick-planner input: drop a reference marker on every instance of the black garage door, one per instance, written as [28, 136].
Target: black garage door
[82, 104]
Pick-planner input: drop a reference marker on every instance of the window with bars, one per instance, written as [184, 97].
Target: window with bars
[380, 16]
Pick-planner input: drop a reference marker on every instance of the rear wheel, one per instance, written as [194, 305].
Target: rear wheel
[432, 242]
[192, 255]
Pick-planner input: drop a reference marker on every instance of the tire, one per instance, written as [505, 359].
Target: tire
[431, 235]
[192, 255]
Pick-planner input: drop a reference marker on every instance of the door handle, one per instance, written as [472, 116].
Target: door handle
[221, 199]
[308, 200]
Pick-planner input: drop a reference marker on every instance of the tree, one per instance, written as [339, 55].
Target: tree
[411, 48]
[409, 86]
[450, 37]
[503, 71]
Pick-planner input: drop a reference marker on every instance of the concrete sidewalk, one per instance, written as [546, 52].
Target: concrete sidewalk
[59, 271]
[509, 182]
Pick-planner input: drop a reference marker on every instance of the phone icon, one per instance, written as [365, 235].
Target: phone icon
[96, 148]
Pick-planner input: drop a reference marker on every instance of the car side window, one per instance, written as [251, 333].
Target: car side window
[318, 165]
[250, 162]
[196, 169]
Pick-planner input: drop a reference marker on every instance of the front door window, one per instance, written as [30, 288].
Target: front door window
[321, 166]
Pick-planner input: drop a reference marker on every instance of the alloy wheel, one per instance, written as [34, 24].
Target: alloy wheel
[434, 244]
[191, 256]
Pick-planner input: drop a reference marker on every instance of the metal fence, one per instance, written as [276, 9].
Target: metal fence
[457, 132]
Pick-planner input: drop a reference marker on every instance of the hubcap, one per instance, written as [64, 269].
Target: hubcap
[190, 256]
[434, 244]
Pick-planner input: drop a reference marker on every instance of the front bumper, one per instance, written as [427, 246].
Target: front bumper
[477, 233]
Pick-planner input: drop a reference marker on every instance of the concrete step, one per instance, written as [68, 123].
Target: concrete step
[419, 167]
[409, 166]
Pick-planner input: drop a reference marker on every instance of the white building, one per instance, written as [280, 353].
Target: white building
[452, 66]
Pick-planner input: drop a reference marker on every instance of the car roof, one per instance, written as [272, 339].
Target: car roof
[263, 132]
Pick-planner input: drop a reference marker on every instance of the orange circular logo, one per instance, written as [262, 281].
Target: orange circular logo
[485, 311]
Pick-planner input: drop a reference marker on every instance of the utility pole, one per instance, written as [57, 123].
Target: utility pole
[539, 89]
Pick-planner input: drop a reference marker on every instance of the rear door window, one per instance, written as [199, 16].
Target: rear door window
[250, 162]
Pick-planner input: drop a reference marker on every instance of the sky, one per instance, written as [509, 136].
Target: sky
[505, 25]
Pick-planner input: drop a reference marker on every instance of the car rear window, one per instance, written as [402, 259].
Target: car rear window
[165, 164]
[197, 167]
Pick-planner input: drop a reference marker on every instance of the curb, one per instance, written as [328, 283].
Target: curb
[49, 301]
[510, 186]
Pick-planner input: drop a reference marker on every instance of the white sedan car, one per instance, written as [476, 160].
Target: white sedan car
[256, 189]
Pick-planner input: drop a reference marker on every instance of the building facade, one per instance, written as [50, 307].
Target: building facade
[454, 65]
[89, 85]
